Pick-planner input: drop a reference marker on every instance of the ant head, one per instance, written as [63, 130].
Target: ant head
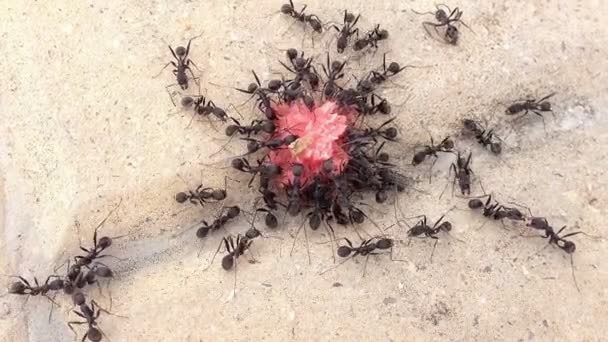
[202, 231]
[231, 129]
[268, 126]
[495, 147]
[219, 194]
[104, 242]
[187, 101]
[384, 243]
[180, 51]
[271, 221]
[252, 87]
[383, 157]
[381, 196]
[475, 203]
[299, 62]
[441, 16]
[252, 233]
[469, 124]
[366, 86]
[344, 251]
[348, 17]
[357, 215]
[382, 34]
[94, 335]
[292, 53]
[391, 133]
[233, 211]
[448, 144]
[290, 139]
[545, 106]
[394, 68]
[227, 262]
[181, 197]
[445, 226]
[238, 163]
[286, 9]
[17, 287]
[336, 66]
[252, 146]
[275, 85]
[309, 101]
[78, 298]
[297, 170]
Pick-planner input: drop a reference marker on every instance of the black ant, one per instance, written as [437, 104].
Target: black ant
[333, 71]
[496, 210]
[311, 19]
[445, 146]
[294, 203]
[451, 34]
[257, 126]
[201, 195]
[90, 314]
[371, 39]
[422, 228]
[373, 246]
[231, 213]
[484, 137]
[303, 69]
[263, 100]
[531, 105]
[462, 173]
[393, 69]
[183, 63]
[243, 165]
[235, 247]
[204, 107]
[347, 30]
[23, 287]
[254, 145]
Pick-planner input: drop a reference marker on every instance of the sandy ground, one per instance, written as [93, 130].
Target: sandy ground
[85, 124]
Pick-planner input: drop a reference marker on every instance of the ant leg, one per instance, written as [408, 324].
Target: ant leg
[434, 246]
[542, 118]
[336, 266]
[573, 275]
[94, 305]
[75, 323]
[103, 222]
[225, 242]
[365, 266]
[166, 65]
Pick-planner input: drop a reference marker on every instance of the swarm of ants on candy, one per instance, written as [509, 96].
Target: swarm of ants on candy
[312, 153]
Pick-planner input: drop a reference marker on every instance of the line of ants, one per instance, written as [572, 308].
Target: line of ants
[86, 270]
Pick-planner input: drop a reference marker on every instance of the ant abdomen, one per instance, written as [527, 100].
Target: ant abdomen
[202, 232]
[227, 262]
[181, 197]
[344, 251]
[17, 288]
[475, 203]
[384, 243]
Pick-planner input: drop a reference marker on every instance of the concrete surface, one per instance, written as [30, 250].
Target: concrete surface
[84, 124]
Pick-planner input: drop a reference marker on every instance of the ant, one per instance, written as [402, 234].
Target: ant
[23, 287]
[201, 195]
[235, 247]
[231, 213]
[389, 133]
[366, 248]
[294, 204]
[204, 107]
[496, 210]
[393, 69]
[445, 146]
[462, 173]
[372, 38]
[90, 314]
[266, 126]
[243, 165]
[301, 67]
[254, 145]
[422, 228]
[183, 63]
[333, 73]
[484, 137]
[531, 105]
[311, 19]
[451, 34]
[346, 31]
[263, 101]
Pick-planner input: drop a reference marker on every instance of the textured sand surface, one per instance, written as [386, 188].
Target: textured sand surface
[85, 124]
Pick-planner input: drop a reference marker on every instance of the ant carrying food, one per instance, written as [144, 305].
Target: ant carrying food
[311, 19]
[484, 137]
[451, 33]
[346, 31]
